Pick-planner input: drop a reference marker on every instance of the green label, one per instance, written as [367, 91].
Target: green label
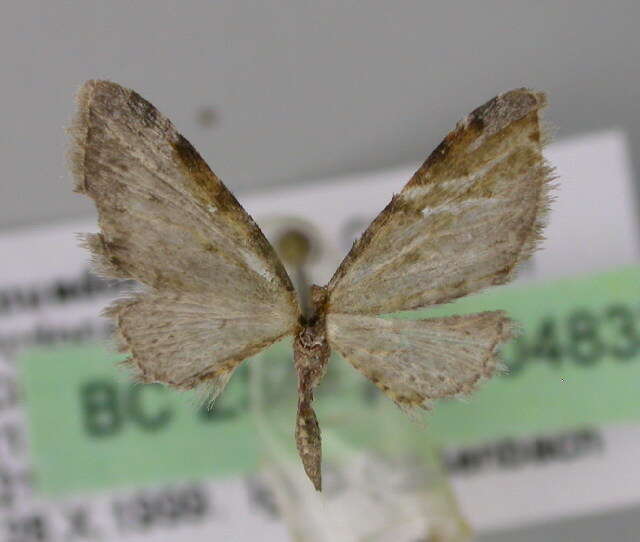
[90, 428]
[575, 364]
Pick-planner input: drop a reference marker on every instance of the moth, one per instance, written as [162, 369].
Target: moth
[215, 292]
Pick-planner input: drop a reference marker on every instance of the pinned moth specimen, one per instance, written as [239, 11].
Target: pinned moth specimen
[215, 292]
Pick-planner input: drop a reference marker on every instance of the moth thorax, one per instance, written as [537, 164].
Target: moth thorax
[311, 339]
[310, 347]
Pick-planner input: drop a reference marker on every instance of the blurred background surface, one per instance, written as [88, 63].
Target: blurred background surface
[285, 93]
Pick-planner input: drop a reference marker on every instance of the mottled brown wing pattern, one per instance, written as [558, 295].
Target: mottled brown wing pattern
[466, 219]
[166, 219]
[415, 362]
[174, 337]
[217, 292]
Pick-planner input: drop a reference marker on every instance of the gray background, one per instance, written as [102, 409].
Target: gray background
[302, 90]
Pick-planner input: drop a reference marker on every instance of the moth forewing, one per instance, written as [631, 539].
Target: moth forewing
[464, 221]
[166, 219]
